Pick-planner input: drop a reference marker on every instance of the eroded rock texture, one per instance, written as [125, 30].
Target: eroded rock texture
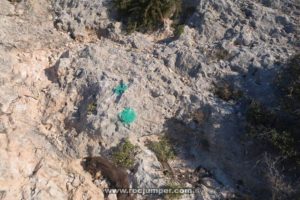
[58, 57]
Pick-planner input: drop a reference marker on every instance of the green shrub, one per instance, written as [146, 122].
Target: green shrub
[147, 15]
[265, 125]
[288, 81]
[276, 130]
[92, 108]
[284, 142]
[162, 149]
[179, 30]
[124, 154]
[257, 114]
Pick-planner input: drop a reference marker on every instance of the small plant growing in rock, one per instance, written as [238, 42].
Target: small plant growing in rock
[147, 15]
[226, 92]
[179, 30]
[222, 54]
[92, 108]
[173, 191]
[124, 154]
[162, 149]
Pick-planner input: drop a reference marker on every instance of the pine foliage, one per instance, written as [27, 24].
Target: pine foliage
[147, 15]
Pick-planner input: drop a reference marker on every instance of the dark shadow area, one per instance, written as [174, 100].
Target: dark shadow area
[225, 150]
[240, 156]
[51, 72]
[184, 137]
[191, 144]
[269, 127]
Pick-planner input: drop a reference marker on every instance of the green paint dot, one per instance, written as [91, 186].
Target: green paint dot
[120, 89]
[127, 116]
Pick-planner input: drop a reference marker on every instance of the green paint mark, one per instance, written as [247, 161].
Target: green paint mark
[127, 116]
[120, 89]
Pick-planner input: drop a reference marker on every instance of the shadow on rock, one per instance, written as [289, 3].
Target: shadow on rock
[52, 72]
[209, 144]
[87, 106]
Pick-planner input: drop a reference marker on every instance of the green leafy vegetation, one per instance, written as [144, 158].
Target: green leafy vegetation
[147, 15]
[163, 149]
[92, 108]
[124, 154]
[179, 30]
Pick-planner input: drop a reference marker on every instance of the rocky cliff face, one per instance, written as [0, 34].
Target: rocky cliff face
[57, 57]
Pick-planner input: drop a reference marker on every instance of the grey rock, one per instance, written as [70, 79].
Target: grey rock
[140, 42]
[188, 62]
[267, 60]
[210, 182]
[76, 16]
[72, 111]
[246, 39]
[143, 177]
